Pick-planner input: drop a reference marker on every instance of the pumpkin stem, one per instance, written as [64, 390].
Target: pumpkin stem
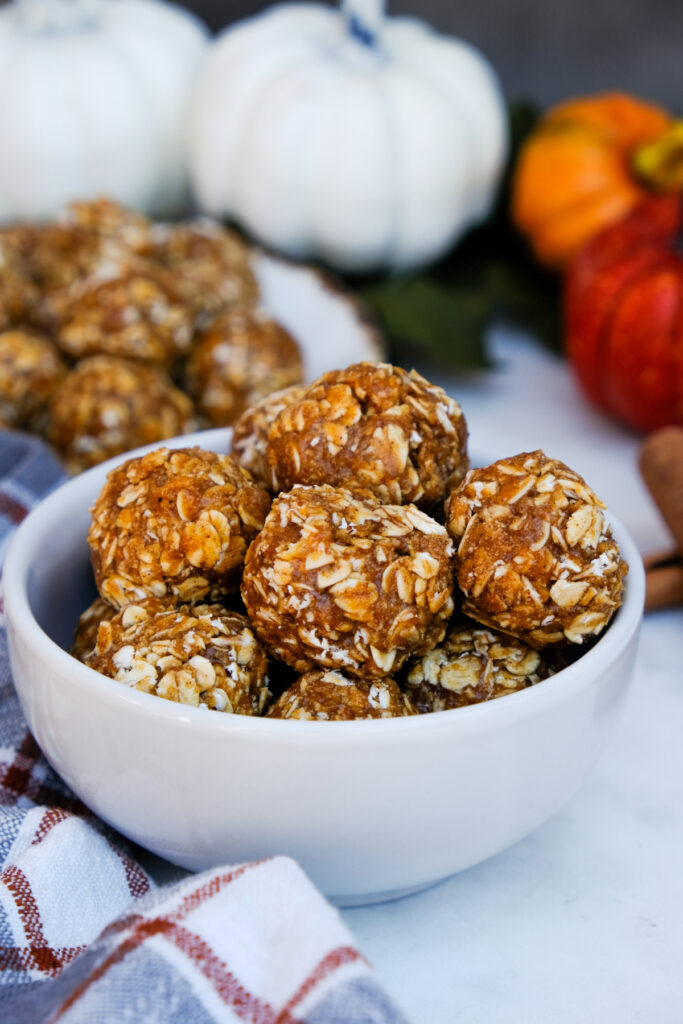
[364, 20]
[659, 164]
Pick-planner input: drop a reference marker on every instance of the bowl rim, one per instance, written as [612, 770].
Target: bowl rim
[493, 714]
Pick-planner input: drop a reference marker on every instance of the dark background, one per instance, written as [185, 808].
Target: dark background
[548, 49]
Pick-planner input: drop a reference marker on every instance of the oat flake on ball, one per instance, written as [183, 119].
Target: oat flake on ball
[85, 634]
[372, 427]
[331, 696]
[336, 581]
[250, 433]
[203, 655]
[212, 265]
[106, 406]
[30, 370]
[472, 665]
[87, 628]
[109, 219]
[132, 310]
[536, 557]
[19, 294]
[174, 522]
[240, 358]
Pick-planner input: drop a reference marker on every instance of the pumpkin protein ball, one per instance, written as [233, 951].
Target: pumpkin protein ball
[85, 634]
[337, 581]
[18, 293]
[331, 696]
[241, 357]
[471, 665]
[110, 220]
[19, 297]
[58, 258]
[372, 426]
[132, 310]
[211, 264]
[106, 406]
[536, 557]
[30, 370]
[55, 256]
[250, 433]
[202, 655]
[174, 522]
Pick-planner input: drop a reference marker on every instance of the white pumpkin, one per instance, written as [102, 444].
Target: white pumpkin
[94, 102]
[341, 134]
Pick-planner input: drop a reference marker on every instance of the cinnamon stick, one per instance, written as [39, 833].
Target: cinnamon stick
[661, 559]
[661, 465]
[664, 587]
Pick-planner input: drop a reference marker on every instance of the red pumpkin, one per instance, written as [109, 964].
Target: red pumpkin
[624, 316]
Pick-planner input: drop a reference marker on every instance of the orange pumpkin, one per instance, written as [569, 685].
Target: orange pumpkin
[575, 173]
[623, 308]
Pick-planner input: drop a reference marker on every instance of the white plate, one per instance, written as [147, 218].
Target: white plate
[330, 325]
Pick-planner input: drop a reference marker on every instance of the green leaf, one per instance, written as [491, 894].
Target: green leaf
[531, 299]
[444, 324]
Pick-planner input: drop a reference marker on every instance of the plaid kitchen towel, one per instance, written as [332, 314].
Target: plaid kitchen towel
[91, 928]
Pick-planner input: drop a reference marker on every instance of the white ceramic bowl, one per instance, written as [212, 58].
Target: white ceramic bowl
[370, 809]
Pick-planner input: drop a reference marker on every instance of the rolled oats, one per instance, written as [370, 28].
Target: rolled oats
[19, 294]
[55, 255]
[337, 581]
[85, 635]
[30, 370]
[250, 434]
[108, 219]
[471, 665]
[211, 264]
[536, 557]
[174, 522]
[372, 427]
[106, 406]
[240, 358]
[199, 655]
[332, 696]
[130, 309]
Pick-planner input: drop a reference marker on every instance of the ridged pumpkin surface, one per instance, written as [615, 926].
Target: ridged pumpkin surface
[624, 316]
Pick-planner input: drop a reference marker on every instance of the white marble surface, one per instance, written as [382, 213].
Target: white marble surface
[583, 920]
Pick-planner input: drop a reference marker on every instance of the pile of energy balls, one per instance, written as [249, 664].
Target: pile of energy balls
[343, 562]
[116, 331]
